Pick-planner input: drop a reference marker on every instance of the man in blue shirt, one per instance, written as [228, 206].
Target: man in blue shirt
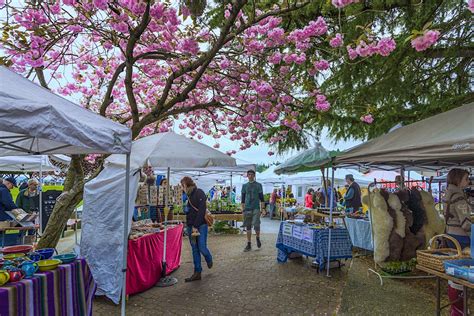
[6, 200]
[252, 206]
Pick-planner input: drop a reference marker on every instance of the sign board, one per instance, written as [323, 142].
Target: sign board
[298, 232]
[287, 229]
[308, 234]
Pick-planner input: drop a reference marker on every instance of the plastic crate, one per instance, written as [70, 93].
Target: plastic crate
[460, 269]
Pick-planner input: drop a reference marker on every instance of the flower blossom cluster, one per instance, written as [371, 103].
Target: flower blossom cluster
[383, 48]
[425, 41]
[337, 41]
[368, 118]
[343, 3]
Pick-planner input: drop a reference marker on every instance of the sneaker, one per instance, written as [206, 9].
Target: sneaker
[259, 243]
[248, 248]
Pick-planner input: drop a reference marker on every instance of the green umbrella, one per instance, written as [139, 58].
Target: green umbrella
[311, 159]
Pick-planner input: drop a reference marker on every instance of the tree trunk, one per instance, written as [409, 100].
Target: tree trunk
[65, 204]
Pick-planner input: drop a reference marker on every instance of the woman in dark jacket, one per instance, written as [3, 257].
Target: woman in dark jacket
[196, 226]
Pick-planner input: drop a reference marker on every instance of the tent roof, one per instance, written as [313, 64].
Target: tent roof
[36, 121]
[175, 151]
[307, 160]
[26, 164]
[441, 141]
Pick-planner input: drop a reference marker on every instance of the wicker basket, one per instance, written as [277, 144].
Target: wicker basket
[433, 258]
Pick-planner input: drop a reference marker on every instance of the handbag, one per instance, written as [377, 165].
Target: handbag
[207, 217]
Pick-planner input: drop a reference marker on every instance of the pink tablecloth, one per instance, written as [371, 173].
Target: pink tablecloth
[145, 258]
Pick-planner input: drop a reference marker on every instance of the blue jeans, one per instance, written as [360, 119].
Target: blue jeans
[199, 247]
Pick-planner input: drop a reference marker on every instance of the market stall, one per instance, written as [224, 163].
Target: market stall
[424, 145]
[145, 255]
[35, 121]
[102, 216]
[67, 290]
[313, 241]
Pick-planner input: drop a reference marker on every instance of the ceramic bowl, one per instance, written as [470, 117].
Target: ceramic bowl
[46, 252]
[4, 277]
[47, 265]
[12, 256]
[66, 258]
[16, 249]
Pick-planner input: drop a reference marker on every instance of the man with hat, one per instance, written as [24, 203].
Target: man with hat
[6, 200]
[352, 198]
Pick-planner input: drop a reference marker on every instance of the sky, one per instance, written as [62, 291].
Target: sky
[259, 154]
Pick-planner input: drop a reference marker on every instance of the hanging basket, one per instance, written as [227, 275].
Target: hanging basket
[434, 257]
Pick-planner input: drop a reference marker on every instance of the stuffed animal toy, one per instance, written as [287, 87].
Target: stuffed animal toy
[416, 206]
[395, 240]
[435, 223]
[411, 242]
[382, 225]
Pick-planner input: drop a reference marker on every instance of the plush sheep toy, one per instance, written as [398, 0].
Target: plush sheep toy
[382, 224]
[435, 223]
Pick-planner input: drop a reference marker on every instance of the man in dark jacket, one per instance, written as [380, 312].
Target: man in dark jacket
[28, 199]
[352, 198]
[6, 200]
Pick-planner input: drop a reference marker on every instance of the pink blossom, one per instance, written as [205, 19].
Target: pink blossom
[300, 59]
[385, 46]
[290, 58]
[75, 28]
[264, 89]
[322, 105]
[100, 4]
[225, 63]
[470, 5]
[352, 53]
[272, 116]
[428, 39]
[321, 65]
[55, 8]
[216, 145]
[157, 11]
[367, 119]
[275, 58]
[271, 153]
[343, 3]
[336, 41]
[69, 2]
[227, 14]
[189, 45]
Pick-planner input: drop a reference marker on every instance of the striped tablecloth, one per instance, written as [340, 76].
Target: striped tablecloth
[68, 290]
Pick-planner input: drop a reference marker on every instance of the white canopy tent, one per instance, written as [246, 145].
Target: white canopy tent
[33, 120]
[107, 255]
[26, 164]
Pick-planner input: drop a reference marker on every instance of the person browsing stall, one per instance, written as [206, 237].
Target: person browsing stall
[28, 199]
[197, 226]
[6, 200]
[308, 199]
[352, 198]
[252, 206]
[458, 225]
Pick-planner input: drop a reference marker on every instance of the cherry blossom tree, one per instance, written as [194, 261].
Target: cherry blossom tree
[231, 69]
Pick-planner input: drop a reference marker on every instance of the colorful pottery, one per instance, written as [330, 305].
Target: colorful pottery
[4, 277]
[46, 252]
[34, 256]
[15, 275]
[29, 268]
[12, 256]
[7, 263]
[47, 265]
[66, 258]
[16, 249]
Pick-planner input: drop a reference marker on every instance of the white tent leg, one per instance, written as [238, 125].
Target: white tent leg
[331, 205]
[125, 233]
[41, 198]
[166, 280]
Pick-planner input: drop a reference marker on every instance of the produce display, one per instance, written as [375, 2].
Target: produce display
[223, 207]
[146, 227]
[19, 262]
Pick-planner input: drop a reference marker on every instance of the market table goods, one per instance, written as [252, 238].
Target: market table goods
[145, 256]
[68, 290]
[313, 242]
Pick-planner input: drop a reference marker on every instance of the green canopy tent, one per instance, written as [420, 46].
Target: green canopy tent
[313, 159]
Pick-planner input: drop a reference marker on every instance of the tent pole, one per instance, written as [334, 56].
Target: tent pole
[165, 280]
[41, 196]
[331, 204]
[230, 193]
[125, 233]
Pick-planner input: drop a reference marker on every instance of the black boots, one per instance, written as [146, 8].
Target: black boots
[248, 248]
[259, 243]
[195, 277]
